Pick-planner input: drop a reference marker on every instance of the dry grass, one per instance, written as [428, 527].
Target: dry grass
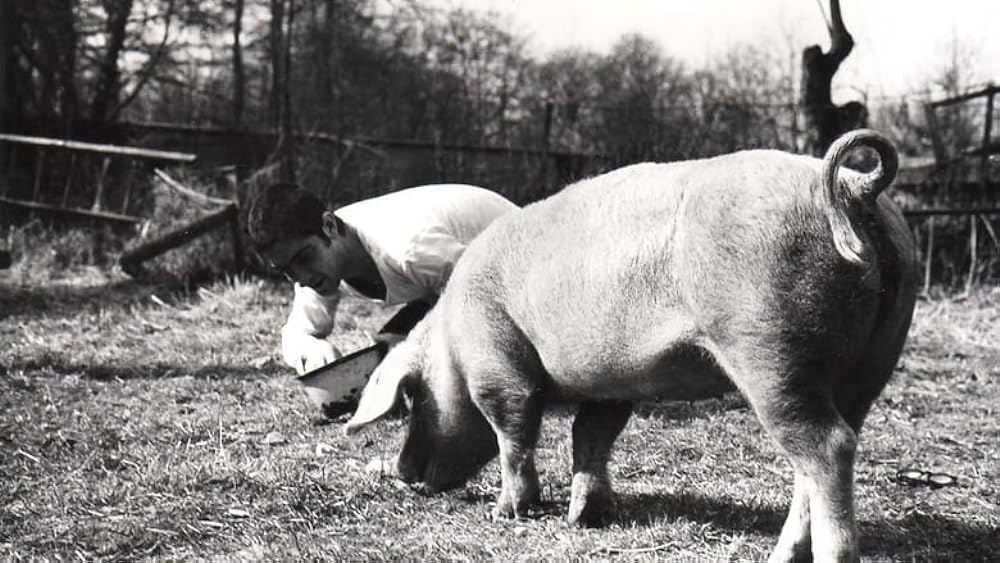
[142, 424]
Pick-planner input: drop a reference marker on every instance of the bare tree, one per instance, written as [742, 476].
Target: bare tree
[489, 64]
[824, 120]
[644, 110]
[742, 102]
[282, 23]
[565, 79]
[129, 89]
[108, 86]
[276, 53]
[239, 75]
[47, 39]
[11, 77]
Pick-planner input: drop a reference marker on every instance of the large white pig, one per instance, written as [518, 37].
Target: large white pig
[784, 275]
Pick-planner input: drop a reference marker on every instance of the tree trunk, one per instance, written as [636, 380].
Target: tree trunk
[276, 40]
[47, 37]
[108, 86]
[282, 15]
[11, 103]
[328, 64]
[287, 143]
[69, 103]
[10, 100]
[825, 121]
[239, 76]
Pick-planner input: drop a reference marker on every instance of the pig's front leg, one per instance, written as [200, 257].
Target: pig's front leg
[519, 487]
[597, 425]
[516, 417]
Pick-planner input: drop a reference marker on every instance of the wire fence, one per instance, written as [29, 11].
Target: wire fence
[342, 170]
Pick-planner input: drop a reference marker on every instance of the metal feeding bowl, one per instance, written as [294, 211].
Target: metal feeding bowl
[336, 387]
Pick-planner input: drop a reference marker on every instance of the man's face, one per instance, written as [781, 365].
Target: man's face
[311, 261]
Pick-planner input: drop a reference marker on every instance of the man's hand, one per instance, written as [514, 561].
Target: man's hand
[306, 353]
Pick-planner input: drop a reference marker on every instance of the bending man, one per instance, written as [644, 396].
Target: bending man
[396, 248]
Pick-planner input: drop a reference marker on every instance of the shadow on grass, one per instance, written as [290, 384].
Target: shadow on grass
[684, 410]
[67, 299]
[113, 372]
[922, 535]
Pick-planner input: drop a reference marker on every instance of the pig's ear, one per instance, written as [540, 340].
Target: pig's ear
[379, 397]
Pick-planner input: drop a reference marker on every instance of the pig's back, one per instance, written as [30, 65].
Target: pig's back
[599, 275]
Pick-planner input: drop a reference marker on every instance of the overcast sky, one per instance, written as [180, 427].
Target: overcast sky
[898, 43]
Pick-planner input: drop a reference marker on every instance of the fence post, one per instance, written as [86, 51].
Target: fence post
[239, 260]
[6, 164]
[973, 253]
[546, 134]
[984, 162]
[940, 157]
[929, 257]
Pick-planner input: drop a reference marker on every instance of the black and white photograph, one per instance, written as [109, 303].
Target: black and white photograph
[499, 280]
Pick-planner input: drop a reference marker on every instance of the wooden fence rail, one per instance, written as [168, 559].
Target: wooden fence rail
[78, 149]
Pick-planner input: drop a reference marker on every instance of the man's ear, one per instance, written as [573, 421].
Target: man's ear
[333, 226]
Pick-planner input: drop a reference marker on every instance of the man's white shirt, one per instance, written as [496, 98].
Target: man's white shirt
[415, 236]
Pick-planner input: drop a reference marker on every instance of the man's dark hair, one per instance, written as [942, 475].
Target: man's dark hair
[283, 211]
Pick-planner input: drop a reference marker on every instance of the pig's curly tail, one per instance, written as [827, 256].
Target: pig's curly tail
[842, 196]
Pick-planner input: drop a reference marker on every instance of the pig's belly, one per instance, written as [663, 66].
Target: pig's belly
[683, 373]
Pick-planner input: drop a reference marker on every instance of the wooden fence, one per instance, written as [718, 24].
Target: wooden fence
[104, 179]
[960, 186]
[71, 165]
[958, 182]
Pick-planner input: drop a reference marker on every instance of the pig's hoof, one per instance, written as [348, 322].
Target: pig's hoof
[593, 510]
[504, 511]
[507, 509]
[532, 494]
[797, 555]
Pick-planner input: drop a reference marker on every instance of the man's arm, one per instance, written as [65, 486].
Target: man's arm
[303, 336]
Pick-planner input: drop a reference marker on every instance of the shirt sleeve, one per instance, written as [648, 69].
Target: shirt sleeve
[430, 259]
[311, 313]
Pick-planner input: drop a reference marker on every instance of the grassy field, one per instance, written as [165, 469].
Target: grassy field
[140, 423]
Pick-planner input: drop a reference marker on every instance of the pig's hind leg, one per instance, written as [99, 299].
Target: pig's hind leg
[595, 429]
[794, 402]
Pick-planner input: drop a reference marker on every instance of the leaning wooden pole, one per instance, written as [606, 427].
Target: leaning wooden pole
[131, 261]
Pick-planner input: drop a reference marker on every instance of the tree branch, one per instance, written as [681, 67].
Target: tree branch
[147, 70]
[841, 42]
[109, 74]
